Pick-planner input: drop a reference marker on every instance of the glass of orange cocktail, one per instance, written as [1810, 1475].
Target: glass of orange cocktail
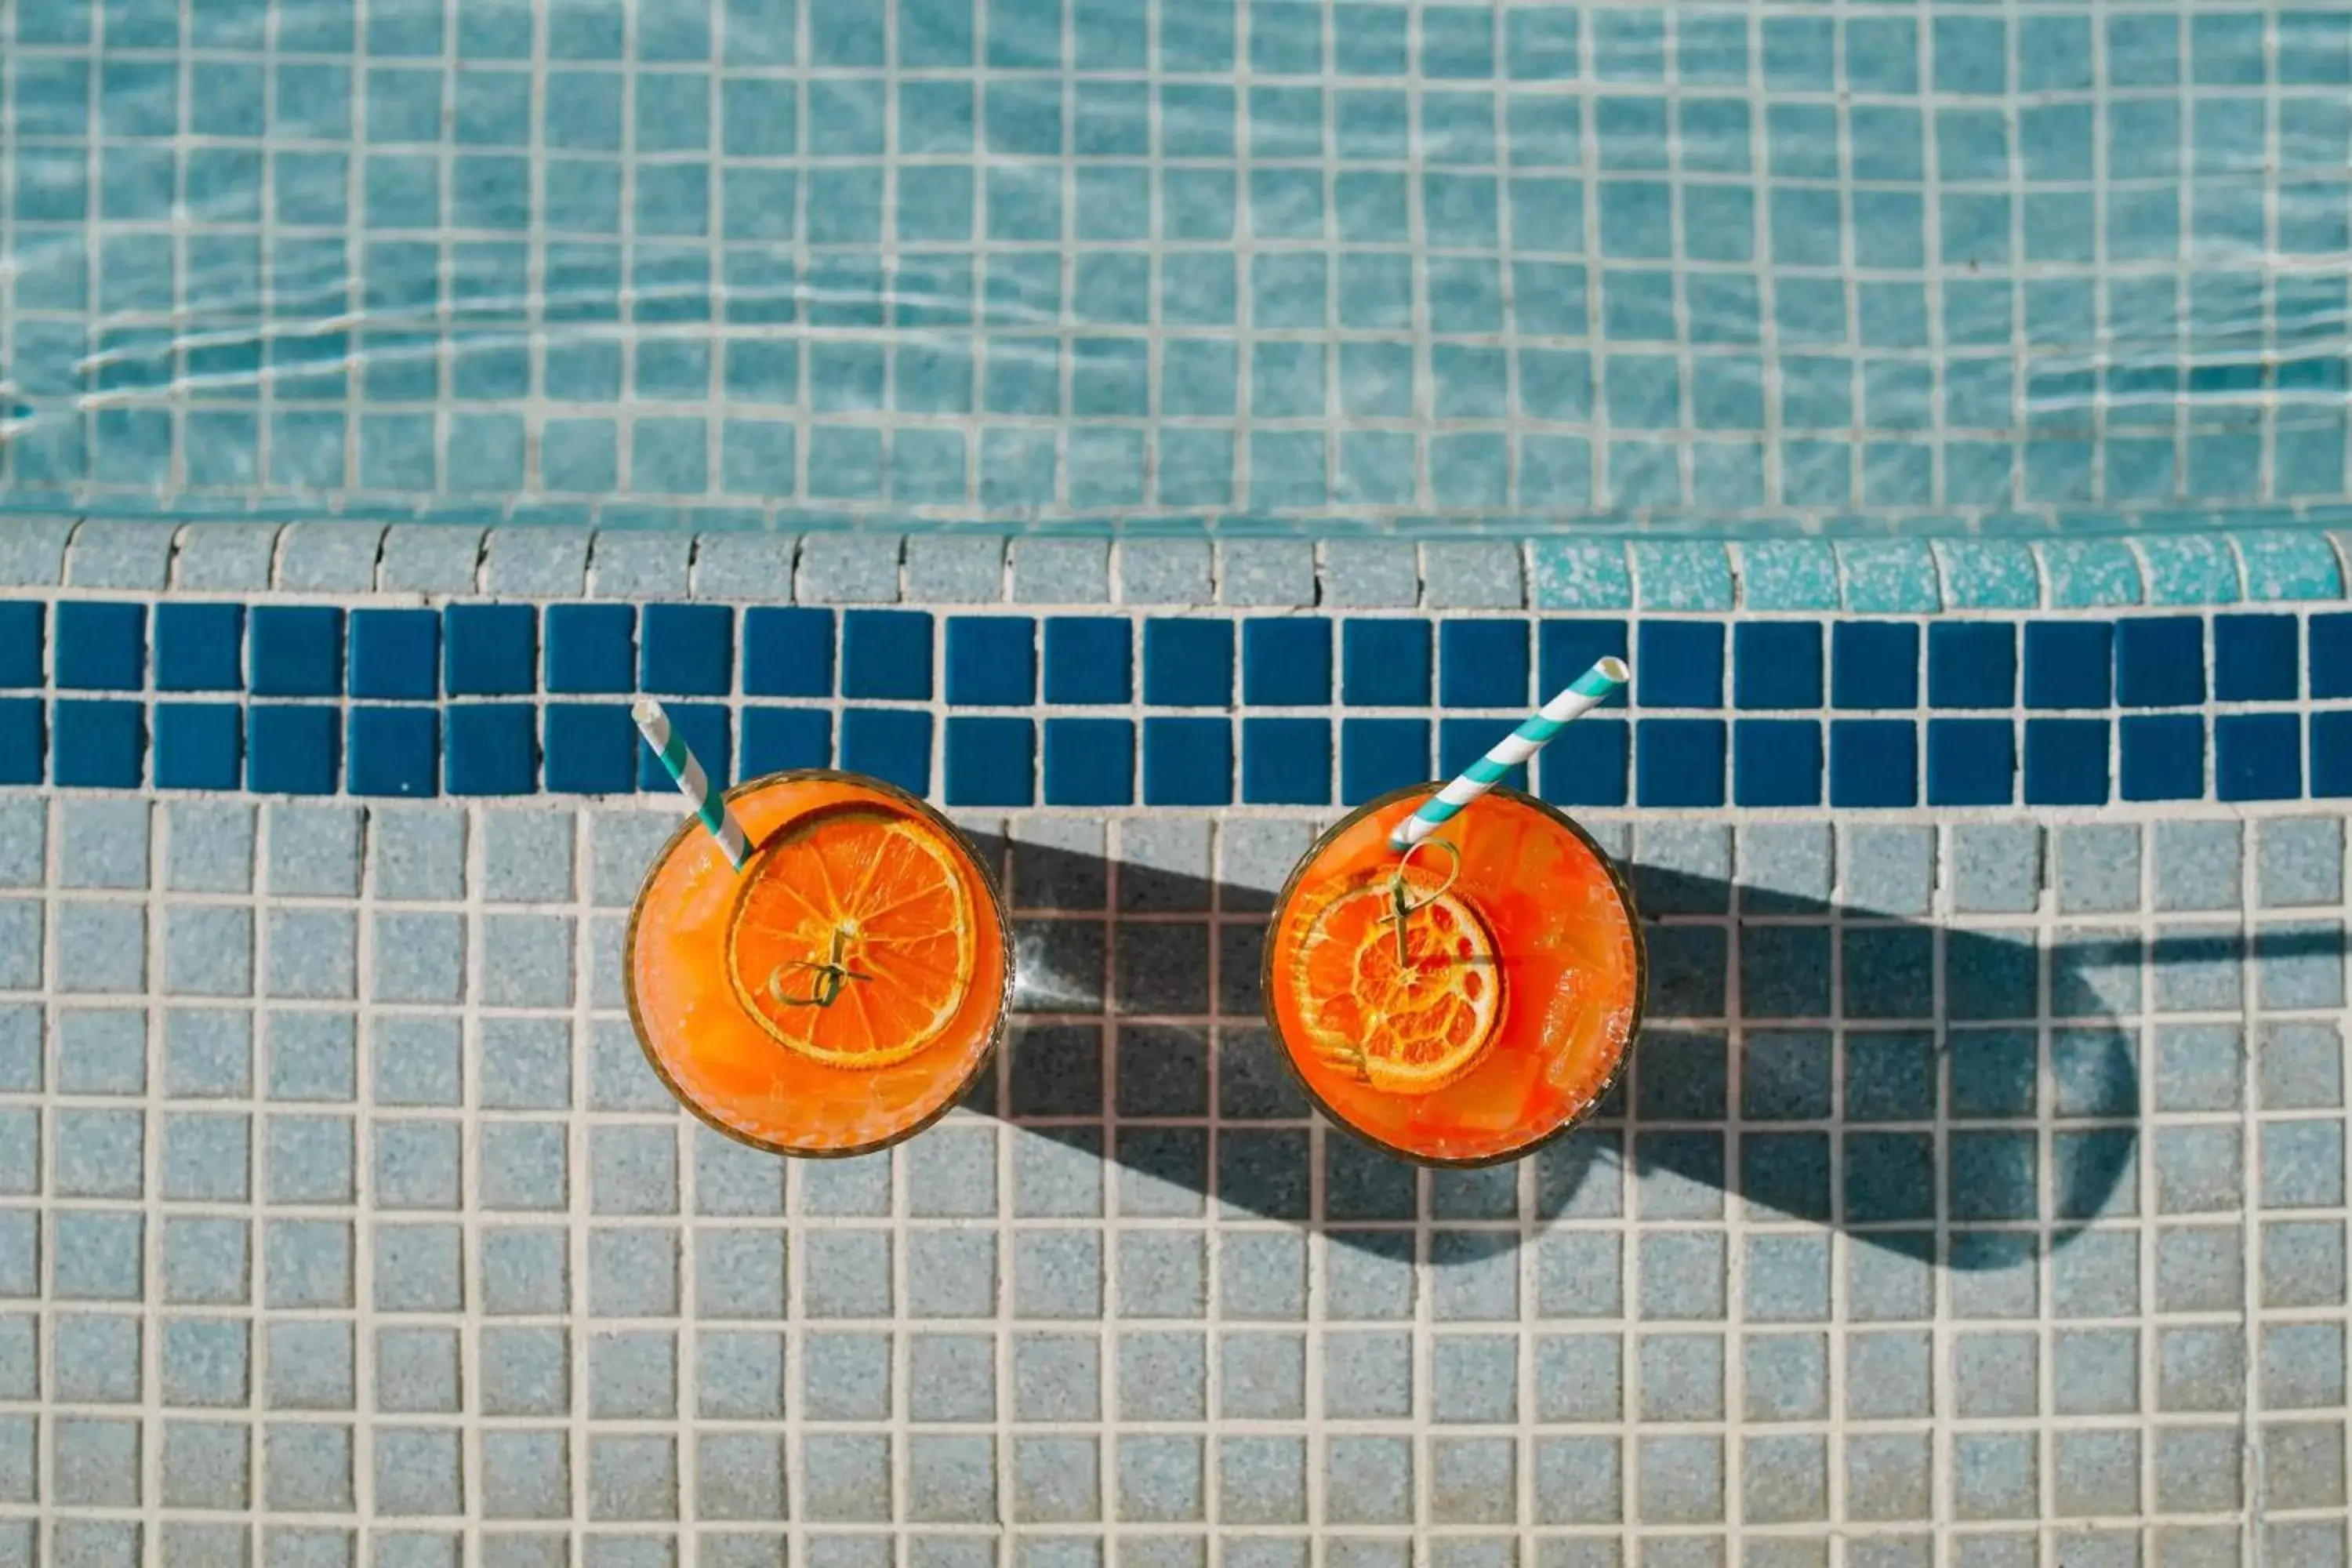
[838, 993]
[1466, 998]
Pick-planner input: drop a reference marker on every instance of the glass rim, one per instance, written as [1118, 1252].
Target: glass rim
[914, 806]
[1618, 881]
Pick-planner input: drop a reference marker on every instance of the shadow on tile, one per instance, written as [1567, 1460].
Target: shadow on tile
[1973, 1080]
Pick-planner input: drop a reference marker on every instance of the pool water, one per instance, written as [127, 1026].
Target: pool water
[724, 262]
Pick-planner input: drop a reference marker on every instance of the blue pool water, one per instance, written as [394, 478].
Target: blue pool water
[1030, 260]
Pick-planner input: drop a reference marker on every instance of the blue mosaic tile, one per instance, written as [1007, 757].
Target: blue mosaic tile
[1482, 664]
[394, 654]
[2189, 569]
[101, 646]
[1089, 660]
[1679, 664]
[992, 660]
[2161, 758]
[1873, 664]
[592, 647]
[198, 646]
[2330, 655]
[2069, 664]
[1873, 763]
[2258, 756]
[2254, 659]
[591, 749]
[2066, 761]
[1971, 762]
[1972, 664]
[1187, 663]
[492, 747]
[2160, 662]
[1888, 578]
[1682, 575]
[98, 744]
[390, 751]
[1575, 575]
[1587, 765]
[1988, 574]
[1776, 762]
[1679, 762]
[1777, 664]
[1286, 662]
[688, 650]
[2279, 565]
[1566, 648]
[294, 651]
[891, 744]
[2087, 574]
[490, 650]
[1789, 574]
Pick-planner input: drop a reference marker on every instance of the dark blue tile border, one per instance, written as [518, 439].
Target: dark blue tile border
[988, 708]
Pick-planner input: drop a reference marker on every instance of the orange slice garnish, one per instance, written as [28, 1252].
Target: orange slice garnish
[1406, 1027]
[851, 939]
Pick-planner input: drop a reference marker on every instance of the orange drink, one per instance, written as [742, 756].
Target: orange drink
[1461, 1003]
[838, 993]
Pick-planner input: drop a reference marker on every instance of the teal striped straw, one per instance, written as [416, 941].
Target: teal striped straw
[1586, 692]
[692, 782]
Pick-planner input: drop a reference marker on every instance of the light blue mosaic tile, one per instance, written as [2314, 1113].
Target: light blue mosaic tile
[952, 568]
[1273, 572]
[98, 1051]
[103, 843]
[1682, 574]
[2197, 865]
[2088, 574]
[223, 557]
[102, 946]
[416, 853]
[2299, 861]
[1576, 574]
[328, 558]
[313, 952]
[24, 841]
[639, 566]
[2189, 569]
[536, 563]
[1165, 571]
[1888, 578]
[1788, 575]
[314, 850]
[2287, 566]
[756, 566]
[1371, 572]
[1483, 573]
[1988, 574]
[208, 845]
[21, 925]
[1060, 571]
[425, 558]
[33, 550]
[848, 568]
[133, 556]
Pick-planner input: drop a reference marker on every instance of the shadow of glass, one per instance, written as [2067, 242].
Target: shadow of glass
[1966, 1095]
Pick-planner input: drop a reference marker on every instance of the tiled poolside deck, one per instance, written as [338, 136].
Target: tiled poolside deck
[1978, 1196]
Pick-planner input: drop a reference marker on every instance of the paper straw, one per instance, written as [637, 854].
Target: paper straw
[692, 782]
[1586, 692]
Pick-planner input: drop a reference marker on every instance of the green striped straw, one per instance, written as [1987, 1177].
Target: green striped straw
[692, 782]
[1586, 692]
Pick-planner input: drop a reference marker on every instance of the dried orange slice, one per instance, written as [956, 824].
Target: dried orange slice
[852, 940]
[1407, 1025]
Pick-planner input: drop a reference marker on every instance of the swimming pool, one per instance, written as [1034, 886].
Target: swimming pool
[1308, 267]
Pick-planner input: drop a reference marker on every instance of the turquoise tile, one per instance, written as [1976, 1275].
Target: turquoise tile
[2189, 569]
[1988, 574]
[1682, 574]
[1581, 575]
[2282, 565]
[2089, 572]
[1789, 574]
[1889, 576]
